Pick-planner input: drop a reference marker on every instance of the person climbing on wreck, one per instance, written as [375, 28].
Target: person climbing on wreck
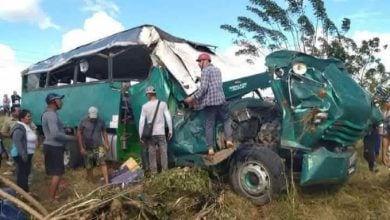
[210, 99]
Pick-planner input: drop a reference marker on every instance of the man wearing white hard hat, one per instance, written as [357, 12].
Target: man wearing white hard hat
[92, 147]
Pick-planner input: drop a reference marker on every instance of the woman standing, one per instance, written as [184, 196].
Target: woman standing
[24, 142]
[6, 105]
[386, 134]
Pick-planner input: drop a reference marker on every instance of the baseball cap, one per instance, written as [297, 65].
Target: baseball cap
[92, 112]
[53, 96]
[150, 89]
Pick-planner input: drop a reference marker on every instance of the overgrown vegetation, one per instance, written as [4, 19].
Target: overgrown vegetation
[189, 193]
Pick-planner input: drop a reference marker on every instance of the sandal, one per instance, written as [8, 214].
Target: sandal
[229, 144]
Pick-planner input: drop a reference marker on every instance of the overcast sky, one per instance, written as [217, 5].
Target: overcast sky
[33, 30]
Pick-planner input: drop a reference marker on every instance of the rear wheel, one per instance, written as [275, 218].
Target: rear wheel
[257, 173]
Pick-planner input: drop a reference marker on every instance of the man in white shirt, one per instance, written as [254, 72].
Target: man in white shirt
[158, 138]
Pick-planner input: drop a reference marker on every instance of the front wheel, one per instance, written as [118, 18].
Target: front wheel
[257, 173]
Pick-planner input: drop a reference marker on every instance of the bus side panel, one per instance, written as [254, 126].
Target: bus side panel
[77, 100]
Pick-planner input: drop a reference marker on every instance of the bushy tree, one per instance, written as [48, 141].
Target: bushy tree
[304, 25]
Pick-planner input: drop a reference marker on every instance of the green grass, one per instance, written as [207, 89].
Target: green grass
[365, 195]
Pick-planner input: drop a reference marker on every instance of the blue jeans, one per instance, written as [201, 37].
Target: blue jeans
[214, 113]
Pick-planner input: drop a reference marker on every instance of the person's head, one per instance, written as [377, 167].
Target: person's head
[54, 101]
[92, 113]
[150, 92]
[5, 95]
[25, 116]
[15, 93]
[203, 60]
[15, 111]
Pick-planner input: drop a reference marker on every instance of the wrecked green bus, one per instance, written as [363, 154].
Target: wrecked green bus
[317, 115]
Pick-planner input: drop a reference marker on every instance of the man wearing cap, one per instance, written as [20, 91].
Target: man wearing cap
[89, 135]
[211, 99]
[158, 138]
[54, 143]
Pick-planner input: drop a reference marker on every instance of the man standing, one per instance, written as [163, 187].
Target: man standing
[89, 135]
[211, 100]
[15, 98]
[9, 123]
[54, 143]
[159, 110]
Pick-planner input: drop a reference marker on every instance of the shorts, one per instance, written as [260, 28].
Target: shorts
[95, 156]
[54, 160]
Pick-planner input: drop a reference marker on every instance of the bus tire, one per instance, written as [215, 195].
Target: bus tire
[257, 173]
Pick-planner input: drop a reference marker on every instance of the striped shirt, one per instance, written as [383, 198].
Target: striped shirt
[210, 92]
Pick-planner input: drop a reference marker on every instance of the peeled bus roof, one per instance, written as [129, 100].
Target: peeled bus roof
[142, 35]
[176, 54]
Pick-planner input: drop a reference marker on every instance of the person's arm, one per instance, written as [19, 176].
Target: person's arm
[204, 83]
[52, 122]
[168, 119]
[80, 131]
[105, 140]
[17, 137]
[142, 119]
[5, 130]
[105, 136]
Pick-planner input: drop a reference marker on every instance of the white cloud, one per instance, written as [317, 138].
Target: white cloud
[25, 10]
[10, 70]
[101, 5]
[91, 31]
[240, 64]
[359, 36]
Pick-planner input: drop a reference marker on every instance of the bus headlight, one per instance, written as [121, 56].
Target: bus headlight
[299, 68]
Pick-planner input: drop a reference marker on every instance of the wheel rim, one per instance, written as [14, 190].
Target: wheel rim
[254, 179]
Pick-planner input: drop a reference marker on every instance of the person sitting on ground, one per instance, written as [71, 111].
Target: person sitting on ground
[89, 135]
[24, 142]
[211, 100]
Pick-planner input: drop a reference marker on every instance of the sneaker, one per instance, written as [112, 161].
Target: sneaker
[229, 144]
[211, 152]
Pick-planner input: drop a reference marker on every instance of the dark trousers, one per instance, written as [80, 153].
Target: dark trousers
[214, 113]
[369, 148]
[145, 156]
[23, 170]
[157, 141]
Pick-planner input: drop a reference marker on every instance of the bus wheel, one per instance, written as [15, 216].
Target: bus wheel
[257, 173]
